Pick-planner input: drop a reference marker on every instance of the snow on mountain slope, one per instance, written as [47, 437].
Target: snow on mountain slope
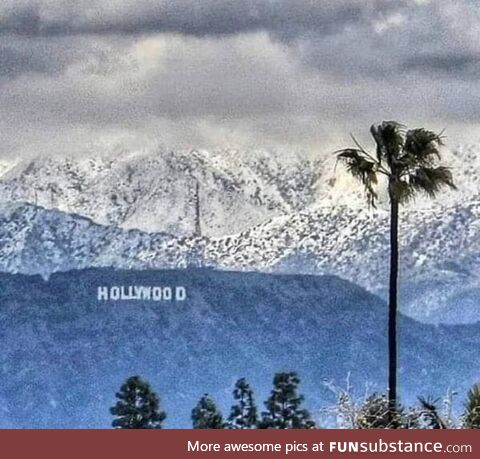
[156, 192]
[439, 264]
[336, 187]
[34, 240]
[259, 211]
[440, 253]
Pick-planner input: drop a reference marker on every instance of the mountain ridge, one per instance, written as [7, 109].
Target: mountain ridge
[155, 192]
[438, 282]
[258, 211]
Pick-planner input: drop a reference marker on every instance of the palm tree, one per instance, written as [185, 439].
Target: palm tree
[472, 418]
[408, 159]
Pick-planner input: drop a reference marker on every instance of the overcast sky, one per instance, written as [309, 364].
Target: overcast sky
[78, 76]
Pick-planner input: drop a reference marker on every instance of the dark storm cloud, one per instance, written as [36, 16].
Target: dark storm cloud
[284, 18]
[466, 65]
[20, 56]
[13, 63]
[31, 58]
[301, 73]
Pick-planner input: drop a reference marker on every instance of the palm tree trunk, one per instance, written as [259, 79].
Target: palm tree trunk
[393, 306]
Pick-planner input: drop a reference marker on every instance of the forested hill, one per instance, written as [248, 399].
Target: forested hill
[65, 353]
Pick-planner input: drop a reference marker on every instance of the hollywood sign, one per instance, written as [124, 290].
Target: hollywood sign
[141, 293]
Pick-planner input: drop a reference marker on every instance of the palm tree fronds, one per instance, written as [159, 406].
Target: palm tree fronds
[431, 180]
[399, 126]
[362, 169]
[392, 138]
[472, 418]
[431, 415]
[403, 191]
[376, 134]
[421, 147]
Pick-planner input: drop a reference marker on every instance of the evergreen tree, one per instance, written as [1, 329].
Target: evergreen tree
[472, 417]
[244, 412]
[284, 405]
[137, 406]
[206, 415]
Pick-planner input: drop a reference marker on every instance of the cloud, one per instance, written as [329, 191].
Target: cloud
[446, 64]
[14, 62]
[285, 18]
[284, 74]
[40, 56]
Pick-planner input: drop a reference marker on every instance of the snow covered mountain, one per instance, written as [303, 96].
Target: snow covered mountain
[440, 254]
[34, 240]
[156, 191]
[440, 251]
[258, 212]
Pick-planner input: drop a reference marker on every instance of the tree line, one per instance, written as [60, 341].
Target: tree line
[138, 407]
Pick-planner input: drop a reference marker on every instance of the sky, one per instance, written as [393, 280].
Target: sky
[96, 76]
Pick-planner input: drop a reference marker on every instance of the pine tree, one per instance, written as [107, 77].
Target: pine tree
[137, 406]
[284, 405]
[244, 412]
[472, 417]
[206, 415]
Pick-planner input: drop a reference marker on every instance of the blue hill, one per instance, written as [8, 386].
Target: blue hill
[65, 353]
